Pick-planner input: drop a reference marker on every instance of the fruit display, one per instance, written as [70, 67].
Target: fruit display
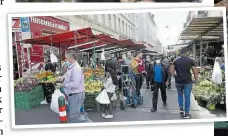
[44, 74]
[46, 77]
[89, 74]
[93, 86]
[99, 73]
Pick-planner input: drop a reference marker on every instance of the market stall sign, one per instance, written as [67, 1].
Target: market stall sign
[47, 23]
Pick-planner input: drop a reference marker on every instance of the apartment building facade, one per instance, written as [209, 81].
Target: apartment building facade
[146, 32]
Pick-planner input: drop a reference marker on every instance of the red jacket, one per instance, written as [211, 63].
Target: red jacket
[141, 66]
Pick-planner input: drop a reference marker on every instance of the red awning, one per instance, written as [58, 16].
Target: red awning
[64, 39]
[82, 39]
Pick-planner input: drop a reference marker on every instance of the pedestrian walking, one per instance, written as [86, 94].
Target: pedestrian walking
[74, 88]
[181, 70]
[159, 80]
[138, 68]
[148, 70]
[110, 89]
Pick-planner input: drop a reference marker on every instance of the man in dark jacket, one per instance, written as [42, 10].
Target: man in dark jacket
[159, 79]
[148, 70]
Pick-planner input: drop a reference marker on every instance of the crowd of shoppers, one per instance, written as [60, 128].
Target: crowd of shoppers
[157, 72]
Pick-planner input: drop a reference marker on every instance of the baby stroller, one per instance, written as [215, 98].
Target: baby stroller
[129, 96]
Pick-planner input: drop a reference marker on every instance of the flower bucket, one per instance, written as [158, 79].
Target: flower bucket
[211, 106]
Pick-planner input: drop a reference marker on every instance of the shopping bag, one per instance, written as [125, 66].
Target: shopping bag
[54, 106]
[102, 98]
[123, 98]
[217, 74]
[114, 97]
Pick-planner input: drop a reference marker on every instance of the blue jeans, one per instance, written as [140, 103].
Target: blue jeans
[184, 90]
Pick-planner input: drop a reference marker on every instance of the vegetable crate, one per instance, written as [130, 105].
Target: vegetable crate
[28, 99]
[90, 103]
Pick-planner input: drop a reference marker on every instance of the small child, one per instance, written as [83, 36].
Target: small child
[110, 89]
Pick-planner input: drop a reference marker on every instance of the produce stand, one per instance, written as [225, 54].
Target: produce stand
[93, 86]
[27, 93]
[47, 80]
[83, 40]
[208, 94]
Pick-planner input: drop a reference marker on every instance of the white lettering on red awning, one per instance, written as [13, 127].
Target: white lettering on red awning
[47, 23]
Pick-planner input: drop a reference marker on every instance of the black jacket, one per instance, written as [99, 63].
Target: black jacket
[148, 66]
[165, 74]
[50, 66]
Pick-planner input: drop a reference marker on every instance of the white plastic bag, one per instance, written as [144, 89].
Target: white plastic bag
[54, 101]
[103, 54]
[123, 98]
[114, 97]
[53, 58]
[102, 98]
[217, 74]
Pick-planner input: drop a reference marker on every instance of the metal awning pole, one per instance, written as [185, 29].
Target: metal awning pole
[194, 50]
[94, 54]
[201, 52]
[60, 58]
[75, 40]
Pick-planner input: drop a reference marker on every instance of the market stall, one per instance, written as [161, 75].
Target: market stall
[82, 40]
[205, 36]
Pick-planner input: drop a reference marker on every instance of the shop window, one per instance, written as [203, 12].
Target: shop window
[114, 20]
[103, 19]
[13, 36]
[119, 24]
[109, 20]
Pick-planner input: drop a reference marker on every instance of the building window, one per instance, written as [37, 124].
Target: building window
[125, 29]
[95, 18]
[103, 19]
[114, 20]
[122, 27]
[109, 21]
[119, 24]
[129, 31]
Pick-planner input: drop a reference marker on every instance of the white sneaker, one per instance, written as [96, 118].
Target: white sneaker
[103, 115]
[44, 102]
[109, 116]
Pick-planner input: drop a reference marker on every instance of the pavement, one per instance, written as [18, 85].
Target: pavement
[44, 115]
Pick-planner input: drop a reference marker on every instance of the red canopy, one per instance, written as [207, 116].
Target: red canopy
[81, 39]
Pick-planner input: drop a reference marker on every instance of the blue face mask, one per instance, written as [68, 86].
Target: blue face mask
[68, 63]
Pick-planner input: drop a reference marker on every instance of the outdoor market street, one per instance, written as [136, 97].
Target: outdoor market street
[44, 115]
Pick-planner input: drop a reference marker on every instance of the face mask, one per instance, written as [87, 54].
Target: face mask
[157, 61]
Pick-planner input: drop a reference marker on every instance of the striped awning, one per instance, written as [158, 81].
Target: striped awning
[206, 28]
